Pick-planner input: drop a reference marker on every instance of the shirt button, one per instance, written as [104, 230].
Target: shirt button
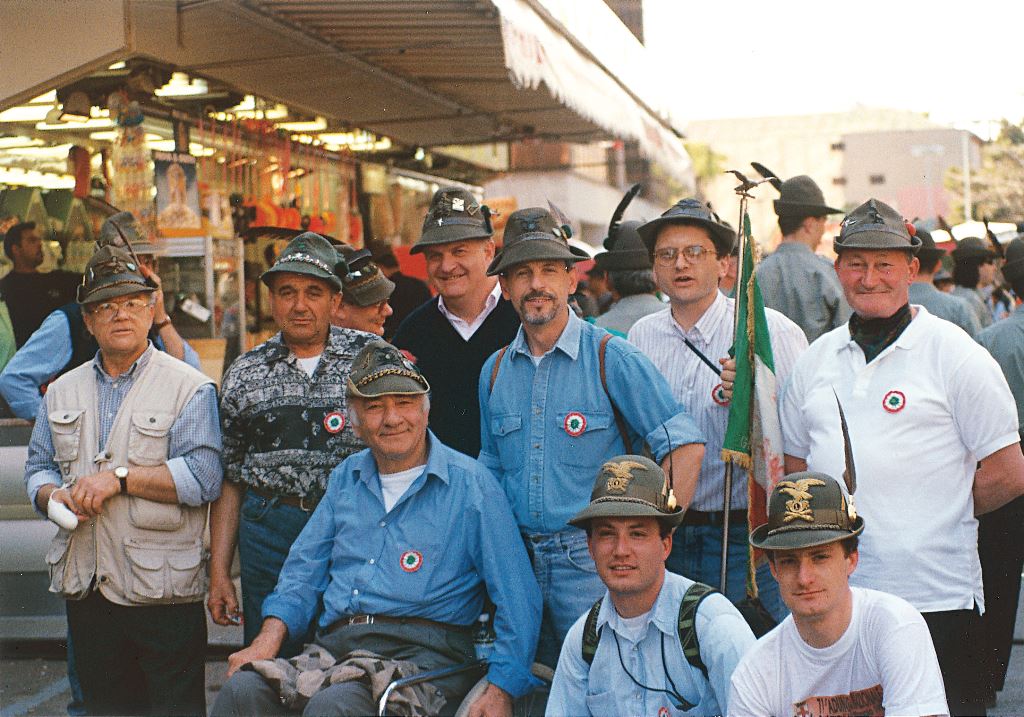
[383, 523]
[536, 410]
[372, 561]
[103, 578]
[537, 446]
[356, 591]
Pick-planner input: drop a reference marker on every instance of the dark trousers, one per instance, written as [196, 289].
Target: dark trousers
[429, 648]
[139, 660]
[956, 634]
[1001, 549]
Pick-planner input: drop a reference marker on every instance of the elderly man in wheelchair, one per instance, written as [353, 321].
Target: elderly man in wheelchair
[394, 564]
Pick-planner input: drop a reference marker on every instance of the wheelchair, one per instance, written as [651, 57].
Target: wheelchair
[530, 705]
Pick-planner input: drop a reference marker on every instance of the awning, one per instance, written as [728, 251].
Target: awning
[424, 72]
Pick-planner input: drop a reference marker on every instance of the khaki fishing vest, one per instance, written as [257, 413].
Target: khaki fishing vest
[139, 552]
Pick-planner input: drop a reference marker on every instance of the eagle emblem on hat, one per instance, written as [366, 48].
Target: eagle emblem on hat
[621, 474]
[799, 508]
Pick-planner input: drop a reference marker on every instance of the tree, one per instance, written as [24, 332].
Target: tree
[707, 165]
[997, 188]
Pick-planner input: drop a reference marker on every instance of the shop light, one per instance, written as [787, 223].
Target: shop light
[25, 113]
[58, 151]
[19, 142]
[181, 85]
[33, 178]
[316, 125]
[94, 123]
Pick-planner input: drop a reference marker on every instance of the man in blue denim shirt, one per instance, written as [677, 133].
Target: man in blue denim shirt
[399, 553]
[547, 423]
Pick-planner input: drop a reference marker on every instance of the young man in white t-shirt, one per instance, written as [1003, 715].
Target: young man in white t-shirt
[842, 650]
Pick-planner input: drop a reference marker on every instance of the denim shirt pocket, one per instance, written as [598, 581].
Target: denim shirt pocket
[581, 437]
[509, 437]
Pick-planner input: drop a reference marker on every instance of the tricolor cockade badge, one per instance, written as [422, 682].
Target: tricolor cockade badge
[334, 421]
[411, 561]
[718, 395]
[575, 423]
[894, 401]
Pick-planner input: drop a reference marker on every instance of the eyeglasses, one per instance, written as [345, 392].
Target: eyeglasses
[108, 309]
[668, 256]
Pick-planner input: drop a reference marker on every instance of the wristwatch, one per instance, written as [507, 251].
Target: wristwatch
[121, 473]
[160, 324]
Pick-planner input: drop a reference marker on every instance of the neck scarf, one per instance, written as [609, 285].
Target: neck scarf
[874, 335]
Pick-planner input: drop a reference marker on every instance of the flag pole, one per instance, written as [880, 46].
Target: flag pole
[743, 190]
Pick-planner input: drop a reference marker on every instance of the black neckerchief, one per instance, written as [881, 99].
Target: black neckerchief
[874, 335]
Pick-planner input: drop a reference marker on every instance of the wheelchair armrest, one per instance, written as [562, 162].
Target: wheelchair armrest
[427, 677]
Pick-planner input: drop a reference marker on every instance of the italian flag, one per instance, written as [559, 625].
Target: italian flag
[753, 437]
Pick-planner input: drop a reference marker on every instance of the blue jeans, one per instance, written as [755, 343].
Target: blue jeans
[568, 583]
[266, 531]
[697, 554]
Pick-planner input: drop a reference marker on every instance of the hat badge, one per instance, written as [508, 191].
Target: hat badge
[621, 475]
[799, 508]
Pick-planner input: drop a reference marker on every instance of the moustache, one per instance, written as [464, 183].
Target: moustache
[539, 295]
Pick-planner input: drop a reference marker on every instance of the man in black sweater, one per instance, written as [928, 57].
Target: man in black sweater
[452, 335]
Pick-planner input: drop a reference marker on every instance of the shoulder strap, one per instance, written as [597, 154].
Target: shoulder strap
[591, 635]
[620, 422]
[688, 637]
[497, 365]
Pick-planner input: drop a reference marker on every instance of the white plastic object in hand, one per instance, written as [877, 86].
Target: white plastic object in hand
[61, 514]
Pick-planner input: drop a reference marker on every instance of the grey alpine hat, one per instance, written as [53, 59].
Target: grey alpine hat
[800, 196]
[804, 510]
[627, 251]
[972, 248]
[928, 252]
[454, 215]
[310, 254]
[1013, 269]
[533, 234]
[876, 225]
[630, 487]
[380, 369]
[694, 212]
[364, 284]
[121, 227]
[111, 272]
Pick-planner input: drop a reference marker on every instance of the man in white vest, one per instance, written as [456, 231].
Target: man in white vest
[130, 443]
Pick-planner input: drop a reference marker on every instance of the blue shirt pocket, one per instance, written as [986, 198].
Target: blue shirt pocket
[509, 437]
[581, 436]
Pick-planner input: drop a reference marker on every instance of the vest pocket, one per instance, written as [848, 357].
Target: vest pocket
[147, 438]
[150, 515]
[64, 577]
[164, 573]
[66, 434]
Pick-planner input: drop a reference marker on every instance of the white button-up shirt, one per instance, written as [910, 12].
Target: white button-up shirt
[696, 386]
[464, 328]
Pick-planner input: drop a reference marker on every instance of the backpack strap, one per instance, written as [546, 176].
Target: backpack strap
[688, 637]
[620, 421]
[497, 365]
[591, 635]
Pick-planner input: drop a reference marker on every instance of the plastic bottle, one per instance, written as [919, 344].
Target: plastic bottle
[483, 640]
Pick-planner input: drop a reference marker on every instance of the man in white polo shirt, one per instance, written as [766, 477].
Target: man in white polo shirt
[925, 406]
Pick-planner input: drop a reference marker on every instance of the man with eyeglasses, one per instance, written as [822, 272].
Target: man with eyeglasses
[936, 429]
[690, 246]
[130, 443]
[63, 342]
[556, 403]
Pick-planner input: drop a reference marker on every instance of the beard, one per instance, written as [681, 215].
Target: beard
[538, 319]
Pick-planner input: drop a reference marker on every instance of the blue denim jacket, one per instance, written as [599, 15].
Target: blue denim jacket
[545, 430]
[447, 539]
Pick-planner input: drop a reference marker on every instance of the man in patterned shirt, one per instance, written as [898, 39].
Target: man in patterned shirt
[283, 417]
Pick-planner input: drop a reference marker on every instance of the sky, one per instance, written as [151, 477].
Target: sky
[960, 62]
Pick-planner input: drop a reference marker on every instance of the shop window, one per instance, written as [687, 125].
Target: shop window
[839, 181]
[877, 179]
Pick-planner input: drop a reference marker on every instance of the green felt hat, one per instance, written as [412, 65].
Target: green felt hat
[310, 254]
[694, 212]
[804, 510]
[454, 215]
[876, 225]
[630, 487]
[111, 272]
[380, 369]
[533, 234]
[800, 196]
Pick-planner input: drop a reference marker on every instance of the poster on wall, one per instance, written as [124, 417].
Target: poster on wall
[177, 195]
